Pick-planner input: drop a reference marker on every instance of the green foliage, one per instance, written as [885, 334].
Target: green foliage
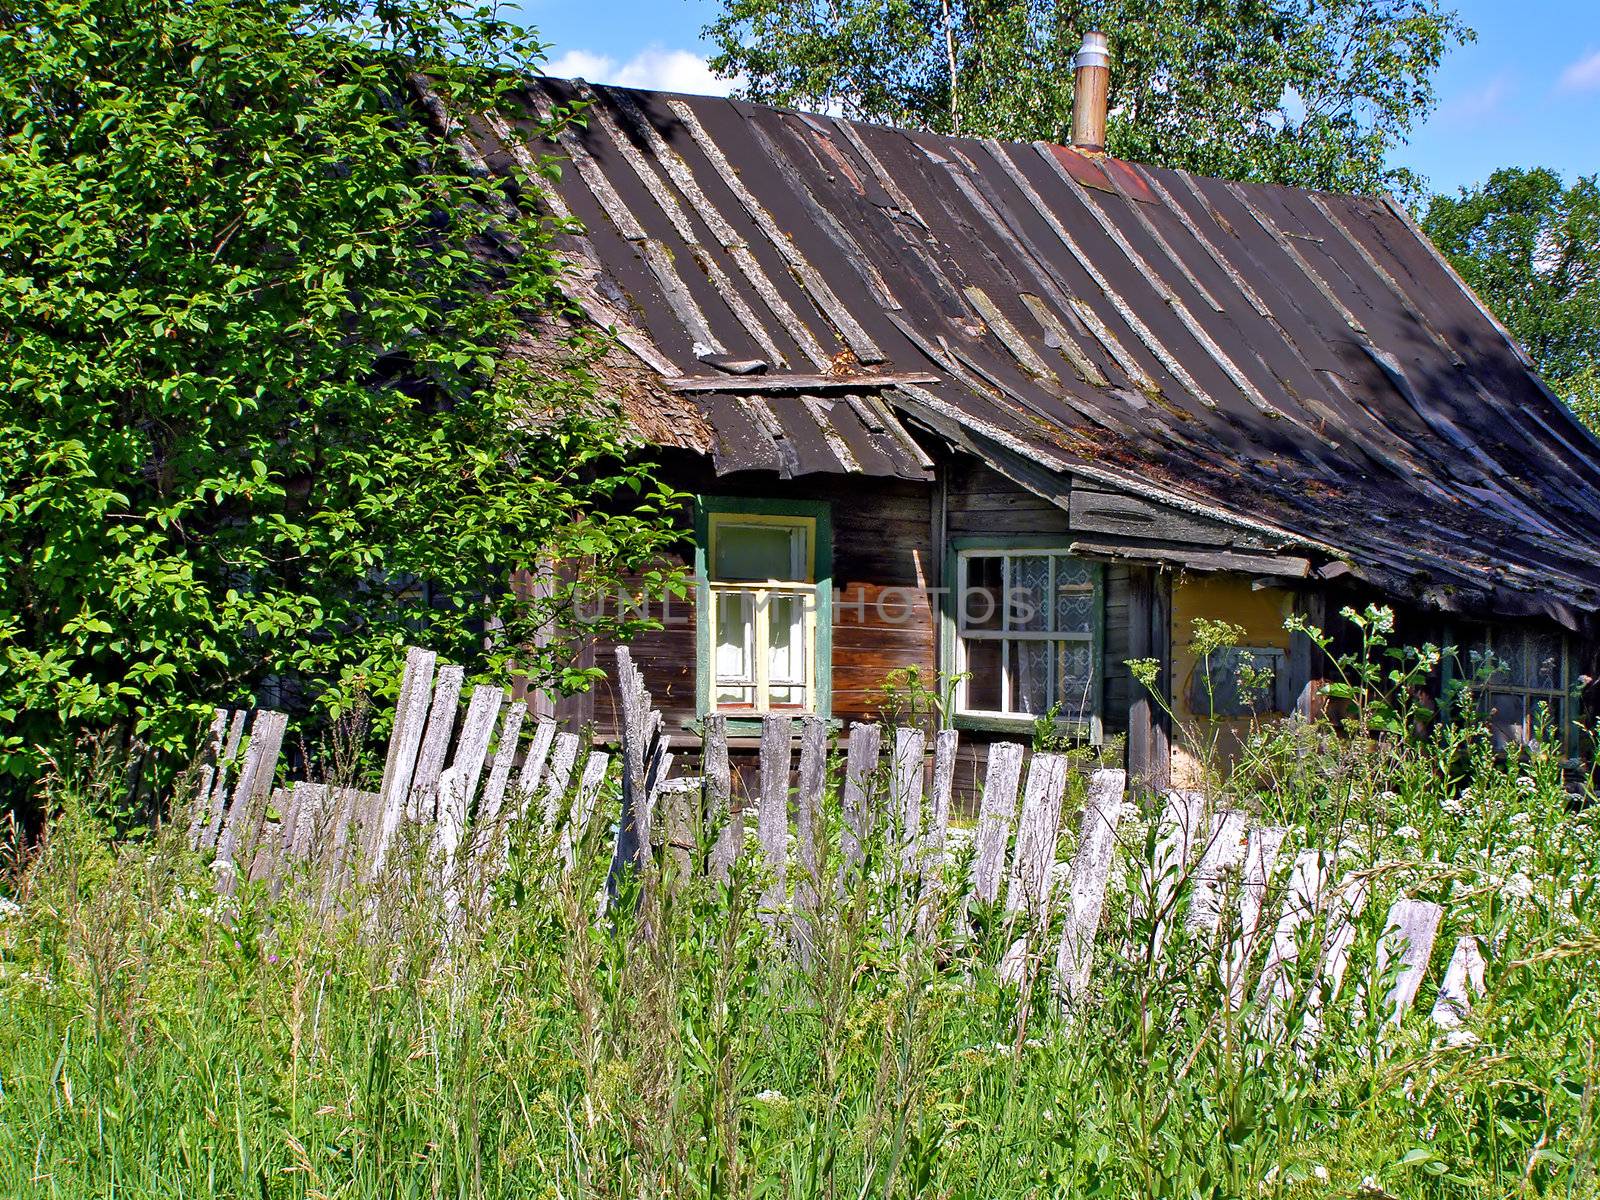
[1529, 245]
[258, 423]
[1315, 94]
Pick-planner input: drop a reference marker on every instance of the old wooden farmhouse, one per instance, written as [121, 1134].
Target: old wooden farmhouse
[1017, 414]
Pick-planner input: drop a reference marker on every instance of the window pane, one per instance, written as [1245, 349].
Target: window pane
[984, 674]
[980, 602]
[786, 697]
[1506, 718]
[735, 637]
[1075, 679]
[1030, 677]
[1029, 597]
[786, 639]
[1074, 595]
[1544, 662]
[736, 697]
[1510, 650]
[758, 552]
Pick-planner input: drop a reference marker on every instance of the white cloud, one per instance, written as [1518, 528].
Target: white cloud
[655, 68]
[581, 64]
[1476, 103]
[1583, 75]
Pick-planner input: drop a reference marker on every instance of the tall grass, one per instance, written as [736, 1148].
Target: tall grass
[156, 1040]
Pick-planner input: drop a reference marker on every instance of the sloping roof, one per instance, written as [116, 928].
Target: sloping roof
[1301, 362]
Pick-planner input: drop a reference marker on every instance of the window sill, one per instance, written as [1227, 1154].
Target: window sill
[749, 725]
[985, 723]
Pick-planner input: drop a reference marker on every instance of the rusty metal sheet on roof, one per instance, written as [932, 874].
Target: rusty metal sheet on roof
[1259, 353]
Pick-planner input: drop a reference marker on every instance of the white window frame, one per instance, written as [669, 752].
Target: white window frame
[963, 636]
[762, 592]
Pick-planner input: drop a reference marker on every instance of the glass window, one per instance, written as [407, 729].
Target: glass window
[1026, 634]
[1522, 673]
[763, 593]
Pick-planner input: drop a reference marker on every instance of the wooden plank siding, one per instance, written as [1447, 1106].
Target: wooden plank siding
[883, 617]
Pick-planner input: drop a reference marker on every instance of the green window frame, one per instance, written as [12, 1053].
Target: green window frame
[715, 513]
[956, 642]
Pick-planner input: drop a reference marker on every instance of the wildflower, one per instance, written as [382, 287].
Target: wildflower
[1407, 833]
[1527, 785]
[769, 1096]
[1519, 886]
[1320, 1171]
[8, 907]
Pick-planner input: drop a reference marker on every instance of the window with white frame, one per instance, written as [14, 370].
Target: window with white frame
[763, 596]
[1027, 623]
[1523, 670]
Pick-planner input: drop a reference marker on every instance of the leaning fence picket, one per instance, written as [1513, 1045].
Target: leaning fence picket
[583, 805]
[860, 771]
[772, 821]
[1225, 846]
[638, 747]
[254, 784]
[945, 745]
[905, 800]
[995, 813]
[1408, 937]
[1463, 981]
[431, 756]
[1177, 835]
[200, 808]
[1346, 903]
[1302, 900]
[405, 744]
[1038, 830]
[1260, 862]
[1089, 881]
[505, 753]
[533, 763]
[563, 757]
[227, 762]
[810, 784]
[723, 826]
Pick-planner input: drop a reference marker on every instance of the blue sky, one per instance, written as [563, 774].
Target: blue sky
[1526, 93]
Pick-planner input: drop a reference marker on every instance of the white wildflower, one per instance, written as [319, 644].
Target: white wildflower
[1527, 785]
[1519, 886]
[769, 1096]
[1321, 1172]
[8, 908]
[1407, 833]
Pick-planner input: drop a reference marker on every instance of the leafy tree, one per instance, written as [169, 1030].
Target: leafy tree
[257, 429]
[1530, 247]
[1309, 92]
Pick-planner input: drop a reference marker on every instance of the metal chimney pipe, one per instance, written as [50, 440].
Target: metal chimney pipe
[1093, 65]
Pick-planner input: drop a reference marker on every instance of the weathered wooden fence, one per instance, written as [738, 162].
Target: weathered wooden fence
[463, 782]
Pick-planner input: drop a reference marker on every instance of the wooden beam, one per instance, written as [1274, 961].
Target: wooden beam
[1286, 566]
[1150, 637]
[1305, 659]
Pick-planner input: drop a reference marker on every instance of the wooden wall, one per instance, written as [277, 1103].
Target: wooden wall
[883, 618]
[980, 501]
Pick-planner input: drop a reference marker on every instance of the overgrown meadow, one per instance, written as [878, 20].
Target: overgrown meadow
[158, 1040]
